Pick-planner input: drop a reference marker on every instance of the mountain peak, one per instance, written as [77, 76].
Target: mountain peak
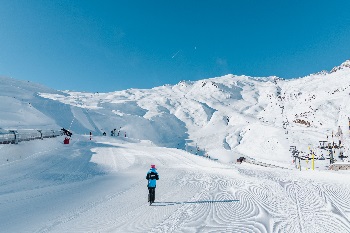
[322, 72]
[345, 64]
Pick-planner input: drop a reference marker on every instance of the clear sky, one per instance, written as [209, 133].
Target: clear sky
[101, 46]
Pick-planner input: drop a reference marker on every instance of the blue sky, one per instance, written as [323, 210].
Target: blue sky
[101, 46]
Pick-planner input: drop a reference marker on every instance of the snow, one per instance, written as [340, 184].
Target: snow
[99, 185]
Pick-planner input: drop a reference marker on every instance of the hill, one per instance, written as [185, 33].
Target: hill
[223, 117]
[98, 184]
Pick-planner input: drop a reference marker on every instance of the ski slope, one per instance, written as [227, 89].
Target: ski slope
[100, 186]
[224, 117]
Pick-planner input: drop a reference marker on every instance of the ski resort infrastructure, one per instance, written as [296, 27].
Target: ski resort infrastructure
[290, 138]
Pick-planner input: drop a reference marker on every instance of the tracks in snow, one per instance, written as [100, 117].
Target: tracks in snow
[193, 195]
[299, 204]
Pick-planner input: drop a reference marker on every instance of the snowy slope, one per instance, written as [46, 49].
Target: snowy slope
[18, 104]
[99, 185]
[222, 116]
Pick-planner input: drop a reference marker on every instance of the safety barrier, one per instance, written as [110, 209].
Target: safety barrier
[15, 136]
[255, 162]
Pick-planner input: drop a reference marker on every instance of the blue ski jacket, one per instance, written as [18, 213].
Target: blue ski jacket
[152, 177]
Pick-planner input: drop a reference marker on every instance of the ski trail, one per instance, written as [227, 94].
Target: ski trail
[299, 215]
[101, 187]
[305, 207]
[336, 199]
[91, 121]
[83, 209]
[43, 153]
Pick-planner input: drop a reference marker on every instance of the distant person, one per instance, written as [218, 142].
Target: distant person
[66, 132]
[152, 177]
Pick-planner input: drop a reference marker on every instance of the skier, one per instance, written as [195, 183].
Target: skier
[152, 176]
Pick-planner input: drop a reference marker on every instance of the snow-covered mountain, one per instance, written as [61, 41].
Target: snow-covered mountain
[98, 184]
[224, 116]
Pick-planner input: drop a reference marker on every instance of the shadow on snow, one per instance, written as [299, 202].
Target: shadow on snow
[191, 202]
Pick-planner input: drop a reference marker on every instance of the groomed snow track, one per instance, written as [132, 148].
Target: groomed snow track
[100, 186]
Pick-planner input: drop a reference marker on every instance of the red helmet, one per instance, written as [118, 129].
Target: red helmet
[153, 166]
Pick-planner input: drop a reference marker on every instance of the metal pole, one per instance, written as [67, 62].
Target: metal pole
[349, 125]
[331, 156]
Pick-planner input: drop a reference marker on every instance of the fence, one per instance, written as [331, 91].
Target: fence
[15, 136]
[255, 162]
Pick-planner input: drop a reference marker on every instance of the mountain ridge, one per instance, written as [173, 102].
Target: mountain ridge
[221, 116]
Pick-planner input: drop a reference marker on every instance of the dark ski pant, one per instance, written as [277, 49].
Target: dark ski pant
[152, 193]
